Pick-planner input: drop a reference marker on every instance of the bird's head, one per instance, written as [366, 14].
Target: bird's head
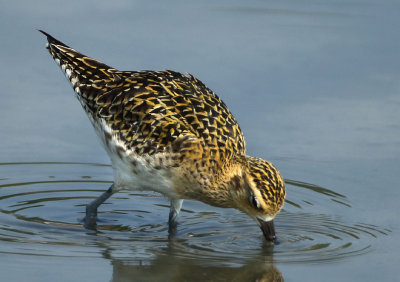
[262, 195]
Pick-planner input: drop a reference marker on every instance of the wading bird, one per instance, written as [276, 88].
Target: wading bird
[167, 132]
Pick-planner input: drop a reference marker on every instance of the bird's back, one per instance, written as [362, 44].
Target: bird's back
[149, 112]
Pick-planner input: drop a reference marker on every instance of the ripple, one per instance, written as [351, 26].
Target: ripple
[41, 205]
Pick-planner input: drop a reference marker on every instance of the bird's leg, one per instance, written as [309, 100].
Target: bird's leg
[91, 209]
[176, 205]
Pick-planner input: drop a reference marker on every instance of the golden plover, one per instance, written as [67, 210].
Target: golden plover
[167, 132]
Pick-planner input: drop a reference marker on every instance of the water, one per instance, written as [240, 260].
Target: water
[314, 86]
[45, 205]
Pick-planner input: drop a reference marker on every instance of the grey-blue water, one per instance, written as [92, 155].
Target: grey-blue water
[315, 86]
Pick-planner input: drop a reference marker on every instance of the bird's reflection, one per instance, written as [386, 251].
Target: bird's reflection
[171, 265]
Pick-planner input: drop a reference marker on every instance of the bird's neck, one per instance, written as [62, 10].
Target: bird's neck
[224, 188]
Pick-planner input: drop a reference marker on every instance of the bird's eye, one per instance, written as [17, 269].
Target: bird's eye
[254, 202]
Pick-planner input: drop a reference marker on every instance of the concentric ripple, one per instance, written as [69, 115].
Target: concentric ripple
[42, 204]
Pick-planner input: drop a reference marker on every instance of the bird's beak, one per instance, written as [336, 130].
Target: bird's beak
[268, 229]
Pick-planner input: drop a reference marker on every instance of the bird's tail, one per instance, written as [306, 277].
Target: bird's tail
[78, 68]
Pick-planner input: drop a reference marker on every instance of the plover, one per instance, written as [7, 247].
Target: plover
[167, 132]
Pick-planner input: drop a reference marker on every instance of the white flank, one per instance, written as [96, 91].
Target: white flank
[141, 176]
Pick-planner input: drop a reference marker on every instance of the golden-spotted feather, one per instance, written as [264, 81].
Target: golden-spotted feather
[150, 105]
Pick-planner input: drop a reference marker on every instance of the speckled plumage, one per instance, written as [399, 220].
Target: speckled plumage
[171, 126]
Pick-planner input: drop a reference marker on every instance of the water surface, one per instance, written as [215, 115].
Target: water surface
[314, 86]
[43, 205]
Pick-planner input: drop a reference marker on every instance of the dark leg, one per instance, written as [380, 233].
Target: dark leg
[91, 209]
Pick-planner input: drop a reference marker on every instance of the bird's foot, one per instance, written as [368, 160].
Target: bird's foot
[90, 220]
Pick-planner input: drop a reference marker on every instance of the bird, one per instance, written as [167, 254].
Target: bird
[167, 132]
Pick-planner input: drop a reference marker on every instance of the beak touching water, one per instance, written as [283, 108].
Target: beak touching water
[268, 229]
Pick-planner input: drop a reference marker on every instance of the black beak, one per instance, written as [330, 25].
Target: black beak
[268, 229]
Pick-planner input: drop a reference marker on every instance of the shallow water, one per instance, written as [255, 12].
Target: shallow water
[315, 88]
[43, 204]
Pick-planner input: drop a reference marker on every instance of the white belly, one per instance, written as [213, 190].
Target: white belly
[131, 171]
[141, 176]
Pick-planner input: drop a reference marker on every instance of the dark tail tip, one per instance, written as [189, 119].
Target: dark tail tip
[51, 39]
